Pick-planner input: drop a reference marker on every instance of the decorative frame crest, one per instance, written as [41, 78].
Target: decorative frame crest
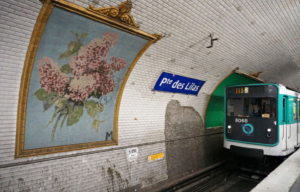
[125, 23]
[121, 13]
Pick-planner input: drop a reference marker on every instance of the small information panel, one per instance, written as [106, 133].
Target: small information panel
[178, 84]
[155, 156]
[132, 154]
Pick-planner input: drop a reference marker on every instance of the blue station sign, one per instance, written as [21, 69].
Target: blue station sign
[178, 84]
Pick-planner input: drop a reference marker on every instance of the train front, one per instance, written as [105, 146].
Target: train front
[250, 123]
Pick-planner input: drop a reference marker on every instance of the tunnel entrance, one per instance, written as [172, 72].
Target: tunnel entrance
[215, 106]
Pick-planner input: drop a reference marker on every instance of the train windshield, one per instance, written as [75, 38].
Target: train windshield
[251, 107]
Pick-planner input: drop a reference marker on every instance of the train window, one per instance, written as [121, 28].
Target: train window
[251, 107]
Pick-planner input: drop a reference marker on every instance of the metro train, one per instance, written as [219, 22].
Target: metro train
[261, 120]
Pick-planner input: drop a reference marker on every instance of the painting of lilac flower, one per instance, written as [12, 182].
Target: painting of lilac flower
[75, 81]
[88, 74]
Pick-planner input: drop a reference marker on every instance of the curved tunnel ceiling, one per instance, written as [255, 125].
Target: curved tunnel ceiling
[253, 35]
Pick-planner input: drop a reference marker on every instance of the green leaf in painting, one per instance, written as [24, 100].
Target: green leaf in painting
[76, 34]
[93, 108]
[61, 103]
[66, 54]
[62, 122]
[96, 124]
[74, 115]
[83, 35]
[65, 69]
[54, 115]
[49, 100]
[70, 108]
[74, 46]
[41, 94]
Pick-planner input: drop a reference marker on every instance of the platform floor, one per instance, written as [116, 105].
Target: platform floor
[285, 178]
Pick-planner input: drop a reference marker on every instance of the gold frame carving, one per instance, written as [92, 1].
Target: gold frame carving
[29, 61]
[121, 13]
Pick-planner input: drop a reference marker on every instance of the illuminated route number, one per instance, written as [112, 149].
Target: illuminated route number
[241, 90]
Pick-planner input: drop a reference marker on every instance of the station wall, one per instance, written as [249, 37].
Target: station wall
[143, 118]
[154, 122]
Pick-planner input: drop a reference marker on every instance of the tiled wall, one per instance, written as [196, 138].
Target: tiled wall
[253, 35]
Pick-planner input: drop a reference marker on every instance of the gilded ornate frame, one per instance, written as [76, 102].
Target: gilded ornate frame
[91, 13]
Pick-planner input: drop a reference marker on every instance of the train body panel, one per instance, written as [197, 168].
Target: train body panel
[261, 119]
[270, 151]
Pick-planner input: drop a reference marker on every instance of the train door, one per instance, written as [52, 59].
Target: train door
[284, 123]
[293, 124]
[298, 121]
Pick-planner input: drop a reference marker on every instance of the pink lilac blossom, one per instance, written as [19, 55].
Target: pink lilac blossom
[104, 83]
[78, 65]
[90, 68]
[113, 37]
[80, 88]
[92, 62]
[51, 78]
[117, 63]
[93, 55]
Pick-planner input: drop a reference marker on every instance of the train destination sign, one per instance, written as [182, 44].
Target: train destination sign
[178, 84]
[246, 90]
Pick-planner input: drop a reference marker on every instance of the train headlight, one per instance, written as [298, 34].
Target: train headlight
[269, 132]
[229, 129]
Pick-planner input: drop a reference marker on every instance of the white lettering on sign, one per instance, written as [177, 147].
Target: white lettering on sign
[179, 85]
[165, 80]
[238, 120]
[132, 154]
[191, 87]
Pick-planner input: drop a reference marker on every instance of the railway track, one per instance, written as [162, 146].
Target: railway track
[203, 181]
[226, 177]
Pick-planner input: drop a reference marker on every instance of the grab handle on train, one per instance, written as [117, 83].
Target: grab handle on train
[283, 131]
[290, 131]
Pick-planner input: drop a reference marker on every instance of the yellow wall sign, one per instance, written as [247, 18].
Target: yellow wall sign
[155, 156]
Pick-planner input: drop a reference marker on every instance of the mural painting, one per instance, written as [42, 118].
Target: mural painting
[79, 68]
